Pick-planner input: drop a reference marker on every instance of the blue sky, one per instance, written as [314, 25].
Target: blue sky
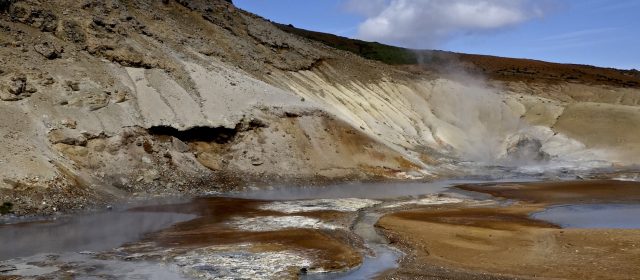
[596, 32]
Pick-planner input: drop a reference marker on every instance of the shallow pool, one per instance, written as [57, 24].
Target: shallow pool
[617, 216]
[91, 232]
[383, 190]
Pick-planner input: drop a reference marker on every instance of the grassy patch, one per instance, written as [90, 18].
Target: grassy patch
[370, 50]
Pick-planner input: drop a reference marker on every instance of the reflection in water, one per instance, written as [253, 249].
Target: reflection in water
[93, 232]
[348, 190]
[381, 258]
[85, 266]
[104, 231]
[360, 190]
[385, 258]
[619, 216]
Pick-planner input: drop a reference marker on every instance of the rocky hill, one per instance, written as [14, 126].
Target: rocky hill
[102, 100]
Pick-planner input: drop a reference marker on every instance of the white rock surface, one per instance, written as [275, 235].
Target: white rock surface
[341, 205]
[213, 263]
[276, 223]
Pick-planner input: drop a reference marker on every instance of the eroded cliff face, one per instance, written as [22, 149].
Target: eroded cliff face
[104, 99]
[471, 119]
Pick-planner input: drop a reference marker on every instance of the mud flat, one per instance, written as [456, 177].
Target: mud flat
[321, 235]
[506, 242]
[468, 232]
[207, 238]
[325, 233]
[592, 191]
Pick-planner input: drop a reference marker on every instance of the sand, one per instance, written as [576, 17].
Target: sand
[504, 243]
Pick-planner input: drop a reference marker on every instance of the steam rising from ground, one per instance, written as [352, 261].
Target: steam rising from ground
[484, 123]
[480, 120]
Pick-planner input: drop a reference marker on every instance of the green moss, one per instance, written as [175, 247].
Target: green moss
[370, 50]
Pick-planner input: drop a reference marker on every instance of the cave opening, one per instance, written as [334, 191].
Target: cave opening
[220, 135]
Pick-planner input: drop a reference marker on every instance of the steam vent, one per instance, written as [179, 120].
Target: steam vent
[219, 139]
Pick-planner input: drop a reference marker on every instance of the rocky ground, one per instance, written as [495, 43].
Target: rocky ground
[101, 100]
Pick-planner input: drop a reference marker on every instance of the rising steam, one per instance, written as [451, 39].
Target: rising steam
[482, 123]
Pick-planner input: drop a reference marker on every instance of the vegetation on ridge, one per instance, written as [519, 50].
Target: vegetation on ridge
[499, 68]
[370, 50]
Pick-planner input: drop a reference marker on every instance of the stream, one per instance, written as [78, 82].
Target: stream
[381, 258]
[45, 247]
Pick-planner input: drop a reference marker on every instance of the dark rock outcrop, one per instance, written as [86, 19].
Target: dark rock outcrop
[15, 88]
[49, 50]
[526, 149]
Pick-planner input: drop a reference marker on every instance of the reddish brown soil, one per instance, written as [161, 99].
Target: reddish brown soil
[502, 243]
[505, 243]
[527, 70]
[334, 250]
[596, 191]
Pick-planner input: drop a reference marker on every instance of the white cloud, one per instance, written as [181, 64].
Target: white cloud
[426, 23]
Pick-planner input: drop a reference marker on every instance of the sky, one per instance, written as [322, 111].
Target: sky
[595, 32]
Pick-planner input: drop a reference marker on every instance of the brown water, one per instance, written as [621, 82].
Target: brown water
[184, 234]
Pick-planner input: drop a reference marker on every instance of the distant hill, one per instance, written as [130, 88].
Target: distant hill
[500, 68]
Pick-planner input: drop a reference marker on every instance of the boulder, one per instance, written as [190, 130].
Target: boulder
[96, 100]
[15, 88]
[49, 50]
[73, 32]
[18, 84]
[67, 136]
[32, 15]
[524, 148]
[179, 146]
[73, 85]
[69, 123]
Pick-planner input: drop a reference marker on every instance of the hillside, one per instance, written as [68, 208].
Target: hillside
[105, 100]
[499, 68]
